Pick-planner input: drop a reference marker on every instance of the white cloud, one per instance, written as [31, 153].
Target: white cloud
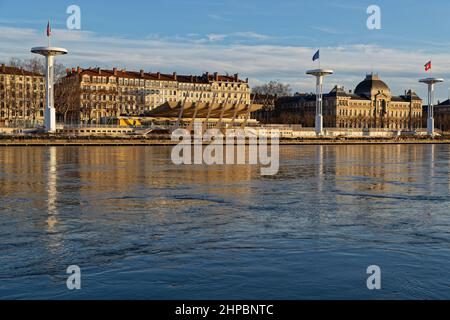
[250, 35]
[216, 37]
[400, 69]
[217, 17]
[329, 30]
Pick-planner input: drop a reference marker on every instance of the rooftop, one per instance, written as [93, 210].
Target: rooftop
[123, 73]
[17, 71]
[371, 86]
[444, 103]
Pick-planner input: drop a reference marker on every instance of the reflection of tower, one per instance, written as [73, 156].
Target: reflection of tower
[432, 159]
[319, 74]
[52, 191]
[55, 241]
[320, 166]
[430, 122]
[49, 53]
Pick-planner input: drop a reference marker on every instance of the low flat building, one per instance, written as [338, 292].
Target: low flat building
[90, 95]
[22, 97]
[220, 115]
[371, 105]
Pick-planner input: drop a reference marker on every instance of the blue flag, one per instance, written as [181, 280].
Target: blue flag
[317, 55]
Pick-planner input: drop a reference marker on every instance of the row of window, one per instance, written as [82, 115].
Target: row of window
[20, 113]
[21, 104]
[23, 95]
[350, 112]
[144, 94]
[346, 103]
[400, 125]
[163, 84]
[20, 78]
[20, 87]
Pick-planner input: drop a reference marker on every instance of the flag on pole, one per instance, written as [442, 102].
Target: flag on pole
[316, 55]
[49, 30]
[428, 66]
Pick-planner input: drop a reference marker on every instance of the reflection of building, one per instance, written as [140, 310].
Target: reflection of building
[22, 96]
[372, 105]
[88, 95]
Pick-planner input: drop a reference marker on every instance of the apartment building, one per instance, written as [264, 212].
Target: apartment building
[22, 97]
[88, 95]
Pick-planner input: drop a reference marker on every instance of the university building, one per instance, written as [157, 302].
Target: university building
[371, 105]
[22, 97]
[441, 116]
[92, 95]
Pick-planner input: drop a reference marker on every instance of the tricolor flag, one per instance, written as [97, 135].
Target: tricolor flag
[428, 66]
[49, 30]
[316, 55]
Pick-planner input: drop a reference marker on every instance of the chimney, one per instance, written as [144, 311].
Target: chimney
[99, 72]
[158, 75]
[246, 80]
[207, 76]
[216, 76]
[175, 76]
[192, 78]
[236, 77]
[141, 72]
[115, 71]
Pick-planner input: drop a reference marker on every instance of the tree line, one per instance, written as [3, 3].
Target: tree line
[36, 65]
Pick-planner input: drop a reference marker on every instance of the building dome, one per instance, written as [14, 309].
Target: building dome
[371, 86]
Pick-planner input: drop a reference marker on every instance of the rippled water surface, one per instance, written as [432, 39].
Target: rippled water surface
[142, 228]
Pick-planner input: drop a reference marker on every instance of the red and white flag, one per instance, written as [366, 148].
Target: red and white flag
[49, 30]
[428, 66]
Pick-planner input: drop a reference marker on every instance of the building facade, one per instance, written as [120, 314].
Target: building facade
[371, 105]
[89, 95]
[441, 116]
[22, 97]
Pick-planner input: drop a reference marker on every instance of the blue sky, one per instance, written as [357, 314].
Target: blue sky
[262, 40]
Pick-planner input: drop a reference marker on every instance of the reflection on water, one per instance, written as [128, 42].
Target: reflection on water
[140, 227]
[52, 191]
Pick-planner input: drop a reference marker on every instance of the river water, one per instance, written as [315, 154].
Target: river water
[140, 227]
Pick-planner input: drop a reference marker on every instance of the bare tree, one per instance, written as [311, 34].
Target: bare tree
[37, 65]
[15, 62]
[60, 71]
[67, 100]
[274, 88]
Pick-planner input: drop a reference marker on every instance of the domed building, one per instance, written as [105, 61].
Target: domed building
[372, 86]
[371, 105]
